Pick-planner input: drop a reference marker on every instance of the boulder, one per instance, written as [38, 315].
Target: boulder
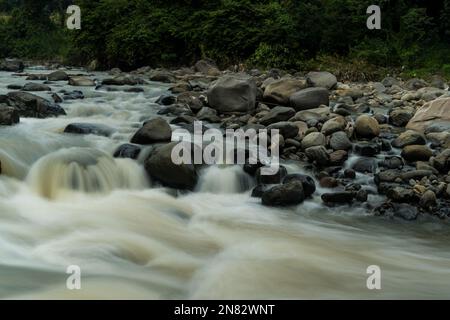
[322, 79]
[367, 148]
[277, 114]
[8, 115]
[344, 197]
[437, 111]
[314, 139]
[409, 137]
[127, 151]
[285, 128]
[309, 186]
[159, 166]
[415, 84]
[333, 125]
[340, 141]
[74, 95]
[11, 65]
[123, 80]
[58, 76]
[32, 86]
[442, 161]
[270, 179]
[79, 81]
[89, 128]
[207, 67]
[279, 91]
[400, 117]
[367, 127]
[30, 105]
[232, 94]
[364, 165]
[166, 100]
[155, 130]
[162, 76]
[208, 114]
[318, 155]
[287, 194]
[414, 153]
[309, 98]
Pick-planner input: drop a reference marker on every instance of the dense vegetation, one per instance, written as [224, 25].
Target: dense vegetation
[287, 34]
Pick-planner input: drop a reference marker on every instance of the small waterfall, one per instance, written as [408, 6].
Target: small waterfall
[224, 179]
[85, 170]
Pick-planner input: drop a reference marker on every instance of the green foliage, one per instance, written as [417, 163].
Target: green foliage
[264, 33]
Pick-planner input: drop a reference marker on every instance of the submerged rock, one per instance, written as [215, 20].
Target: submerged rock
[89, 128]
[309, 186]
[30, 105]
[8, 116]
[127, 151]
[287, 194]
[344, 197]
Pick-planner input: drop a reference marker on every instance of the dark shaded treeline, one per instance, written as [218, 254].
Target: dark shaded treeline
[266, 33]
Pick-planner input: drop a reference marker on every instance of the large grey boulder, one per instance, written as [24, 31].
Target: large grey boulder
[11, 65]
[155, 130]
[231, 94]
[30, 105]
[322, 79]
[309, 98]
[58, 76]
[160, 166]
[207, 67]
[279, 91]
[32, 86]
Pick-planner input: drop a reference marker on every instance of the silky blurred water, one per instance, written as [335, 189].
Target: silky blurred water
[64, 200]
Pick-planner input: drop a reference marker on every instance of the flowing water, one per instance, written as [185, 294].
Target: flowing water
[64, 200]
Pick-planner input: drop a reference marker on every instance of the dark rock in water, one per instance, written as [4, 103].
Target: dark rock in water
[270, 179]
[232, 94]
[127, 151]
[387, 176]
[8, 116]
[251, 168]
[344, 197]
[81, 82]
[176, 110]
[340, 141]
[284, 195]
[277, 114]
[58, 76]
[160, 167]
[309, 98]
[258, 191]
[134, 90]
[191, 127]
[123, 80]
[286, 129]
[14, 87]
[89, 128]
[367, 149]
[309, 186]
[208, 114]
[350, 174]
[166, 100]
[362, 195]
[365, 165]
[30, 105]
[353, 187]
[402, 195]
[413, 153]
[184, 118]
[57, 98]
[392, 163]
[338, 157]
[74, 95]
[318, 155]
[11, 65]
[155, 130]
[329, 182]
[399, 210]
[31, 86]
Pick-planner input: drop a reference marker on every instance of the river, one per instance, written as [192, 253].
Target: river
[135, 241]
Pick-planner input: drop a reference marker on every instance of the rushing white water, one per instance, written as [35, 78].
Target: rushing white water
[65, 201]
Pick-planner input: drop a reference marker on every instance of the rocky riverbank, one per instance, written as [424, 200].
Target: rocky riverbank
[389, 138]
